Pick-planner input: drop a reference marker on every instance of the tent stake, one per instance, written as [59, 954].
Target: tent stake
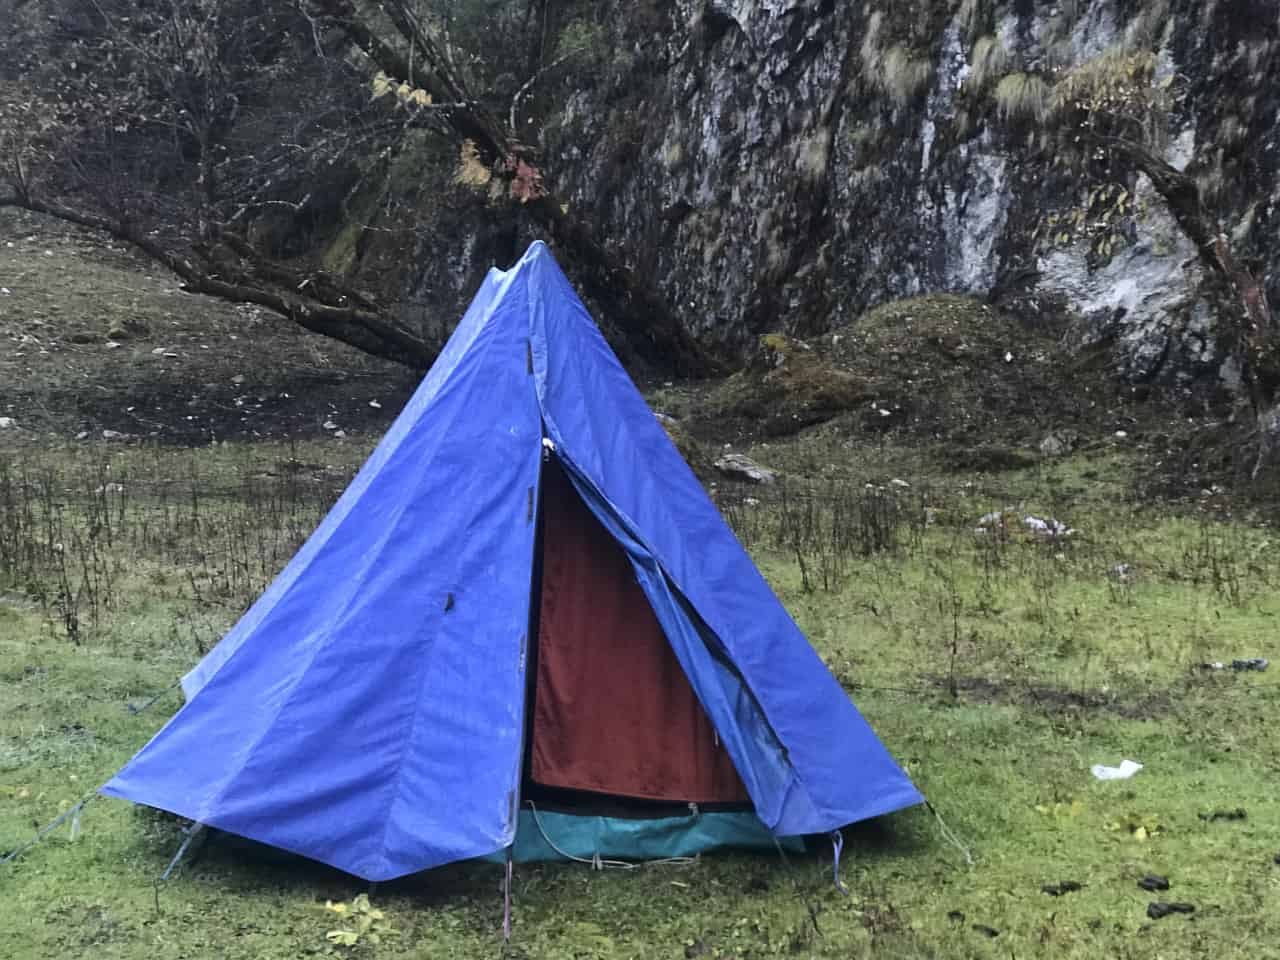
[506, 898]
[193, 831]
[837, 845]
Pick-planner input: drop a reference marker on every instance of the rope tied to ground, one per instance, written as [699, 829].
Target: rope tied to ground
[73, 812]
[949, 836]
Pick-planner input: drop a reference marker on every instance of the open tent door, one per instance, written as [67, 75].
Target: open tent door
[613, 712]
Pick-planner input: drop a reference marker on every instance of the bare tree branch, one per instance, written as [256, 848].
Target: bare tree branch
[353, 324]
[636, 307]
[528, 85]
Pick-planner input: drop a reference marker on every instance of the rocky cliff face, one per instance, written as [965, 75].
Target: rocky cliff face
[786, 164]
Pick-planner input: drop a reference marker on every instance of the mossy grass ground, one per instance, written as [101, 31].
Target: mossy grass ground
[1056, 659]
[996, 666]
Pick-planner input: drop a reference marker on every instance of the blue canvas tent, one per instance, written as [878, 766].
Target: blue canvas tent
[439, 652]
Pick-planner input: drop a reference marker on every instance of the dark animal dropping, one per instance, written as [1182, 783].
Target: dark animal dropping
[1058, 889]
[1158, 909]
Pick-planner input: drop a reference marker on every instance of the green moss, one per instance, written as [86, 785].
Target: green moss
[788, 387]
[693, 452]
[341, 256]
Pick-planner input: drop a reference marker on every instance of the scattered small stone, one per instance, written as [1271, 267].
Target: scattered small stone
[112, 345]
[81, 337]
[986, 931]
[7, 423]
[375, 404]
[5, 290]
[82, 435]
[1121, 434]
[1153, 881]
[1157, 909]
[1058, 889]
[340, 434]
[738, 467]
[158, 351]
[113, 435]
[238, 379]
[1239, 813]
[329, 425]
[897, 482]
[110, 488]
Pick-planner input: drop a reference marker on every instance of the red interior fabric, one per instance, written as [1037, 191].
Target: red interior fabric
[613, 710]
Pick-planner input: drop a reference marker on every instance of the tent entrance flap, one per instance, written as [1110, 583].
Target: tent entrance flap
[613, 712]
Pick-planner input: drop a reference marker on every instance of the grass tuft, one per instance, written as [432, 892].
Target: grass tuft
[1022, 97]
[990, 61]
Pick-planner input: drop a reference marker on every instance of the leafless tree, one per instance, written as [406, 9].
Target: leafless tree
[188, 128]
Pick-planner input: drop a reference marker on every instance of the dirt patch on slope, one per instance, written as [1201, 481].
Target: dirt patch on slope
[94, 338]
[980, 386]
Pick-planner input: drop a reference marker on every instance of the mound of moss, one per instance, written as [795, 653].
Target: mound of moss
[940, 367]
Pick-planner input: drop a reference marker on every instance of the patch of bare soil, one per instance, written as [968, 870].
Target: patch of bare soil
[976, 390]
[94, 338]
[1053, 699]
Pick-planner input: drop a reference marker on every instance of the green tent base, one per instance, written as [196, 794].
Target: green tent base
[546, 836]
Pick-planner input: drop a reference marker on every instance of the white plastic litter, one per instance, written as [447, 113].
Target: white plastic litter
[1126, 770]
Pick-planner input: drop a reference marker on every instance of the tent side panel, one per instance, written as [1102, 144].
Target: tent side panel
[373, 717]
[451, 356]
[842, 772]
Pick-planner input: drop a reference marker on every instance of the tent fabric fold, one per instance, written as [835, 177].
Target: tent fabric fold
[369, 710]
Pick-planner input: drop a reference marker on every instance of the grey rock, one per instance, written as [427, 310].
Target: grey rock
[739, 467]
